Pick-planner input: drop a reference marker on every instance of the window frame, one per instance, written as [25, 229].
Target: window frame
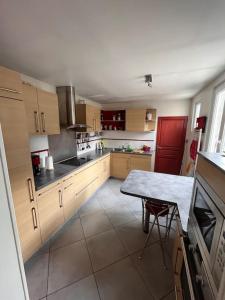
[194, 115]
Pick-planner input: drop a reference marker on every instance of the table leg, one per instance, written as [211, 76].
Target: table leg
[145, 217]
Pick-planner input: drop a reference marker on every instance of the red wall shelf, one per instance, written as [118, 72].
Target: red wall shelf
[113, 119]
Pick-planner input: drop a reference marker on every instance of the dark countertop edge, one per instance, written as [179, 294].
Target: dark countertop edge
[215, 159]
[73, 169]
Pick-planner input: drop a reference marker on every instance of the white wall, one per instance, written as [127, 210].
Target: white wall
[206, 97]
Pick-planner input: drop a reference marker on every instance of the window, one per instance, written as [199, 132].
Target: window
[217, 132]
[196, 114]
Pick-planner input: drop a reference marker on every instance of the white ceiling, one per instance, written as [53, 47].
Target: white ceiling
[105, 47]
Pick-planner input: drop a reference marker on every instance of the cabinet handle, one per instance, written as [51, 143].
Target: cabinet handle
[34, 217]
[43, 121]
[60, 199]
[36, 121]
[66, 187]
[30, 188]
[9, 90]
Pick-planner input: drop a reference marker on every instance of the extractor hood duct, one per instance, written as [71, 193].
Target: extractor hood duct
[67, 108]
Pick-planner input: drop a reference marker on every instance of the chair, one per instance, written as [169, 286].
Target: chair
[157, 210]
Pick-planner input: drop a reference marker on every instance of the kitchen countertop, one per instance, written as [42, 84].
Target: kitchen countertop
[170, 189]
[216, 159]
[60, 170]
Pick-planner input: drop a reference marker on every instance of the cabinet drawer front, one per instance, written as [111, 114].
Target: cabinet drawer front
[10, 84]
[83, 178]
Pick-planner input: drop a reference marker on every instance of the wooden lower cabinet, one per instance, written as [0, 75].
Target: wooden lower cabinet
[104, 169]
[70, 203]
[122, 164]
[25, 204]
[50, 210]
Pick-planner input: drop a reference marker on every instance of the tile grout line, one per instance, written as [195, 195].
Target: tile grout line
[89, 256]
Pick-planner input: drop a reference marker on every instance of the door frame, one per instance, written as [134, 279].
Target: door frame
[158, 131]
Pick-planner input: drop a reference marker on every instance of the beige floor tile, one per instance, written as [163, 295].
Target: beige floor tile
[67, 265]
[84, 289]
[151, 267]
[72, 232]
[119, 215]
[105, 248]
[95, 223]
[121, 281]
[37, 273]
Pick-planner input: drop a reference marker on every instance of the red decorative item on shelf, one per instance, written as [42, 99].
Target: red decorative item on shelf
[193, 149]
[201, 123]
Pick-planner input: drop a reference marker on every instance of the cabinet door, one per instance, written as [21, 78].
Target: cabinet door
[31, 106]
[140, 162]
[120, 165]
[10, 84]
[97, 119]
[135, 120]
[90, 118]
[15, 135]
[70, 204]
[87, 191]
[50, 210]
[25, 204]
[48, 112]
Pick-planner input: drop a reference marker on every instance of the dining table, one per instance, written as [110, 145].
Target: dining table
[174, 190]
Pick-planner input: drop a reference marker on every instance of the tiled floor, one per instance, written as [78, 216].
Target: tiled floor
[95, 255]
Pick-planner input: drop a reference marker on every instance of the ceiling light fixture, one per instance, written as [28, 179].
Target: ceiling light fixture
[148, 80]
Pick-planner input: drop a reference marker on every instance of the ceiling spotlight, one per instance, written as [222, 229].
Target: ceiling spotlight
[148, 80]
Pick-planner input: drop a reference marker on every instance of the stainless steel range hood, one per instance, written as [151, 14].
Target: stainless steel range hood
[67, 108]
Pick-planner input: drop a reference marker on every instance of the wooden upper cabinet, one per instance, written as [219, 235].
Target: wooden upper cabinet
[14, 128]
[89, 115]
[31, 105]
[136, 120]
[48, 112]
[10, 84]
[42, 110]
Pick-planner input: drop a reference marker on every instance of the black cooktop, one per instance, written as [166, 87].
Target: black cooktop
[76, 161]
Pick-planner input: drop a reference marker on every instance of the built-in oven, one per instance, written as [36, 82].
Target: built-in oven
[207, 232]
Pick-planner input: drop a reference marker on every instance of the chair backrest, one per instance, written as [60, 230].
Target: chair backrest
[157, 209]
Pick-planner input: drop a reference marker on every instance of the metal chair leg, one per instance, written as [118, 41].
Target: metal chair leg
[147, 239]
[171, 219]
[161, 243]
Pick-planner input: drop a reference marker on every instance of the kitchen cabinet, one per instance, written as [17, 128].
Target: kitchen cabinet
[13, 122]
[48, 112]
[104, 169]
[136, 120]
[89, 115]
[123, 163]
[15, 136]
[50, 210]
[140, 162]
[41, 110]
[10, 84]
[25, 204]
[70, 203]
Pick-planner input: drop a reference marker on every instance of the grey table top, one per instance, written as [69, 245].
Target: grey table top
[171, 189]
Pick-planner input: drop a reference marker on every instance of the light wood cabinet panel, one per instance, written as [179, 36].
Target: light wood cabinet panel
[136, 120]
[89, 115]
[31, 106]
[14, 128]
[10, 84]
[48, 112]
[104, 169]
[70, 205]
[25, 204]
[86, 192]
[50, 210]
[139, 162]
[120, 165]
